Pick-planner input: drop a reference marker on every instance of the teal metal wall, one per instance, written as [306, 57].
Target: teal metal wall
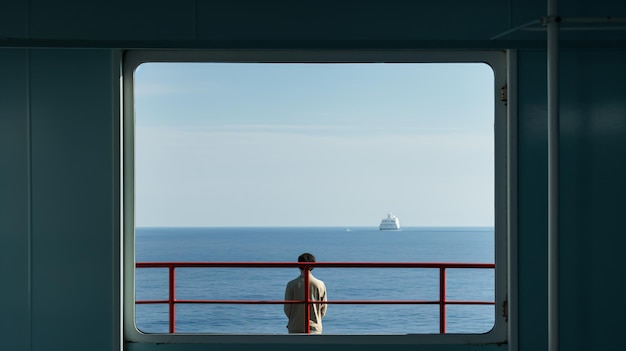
[58, 147]
[59, 110]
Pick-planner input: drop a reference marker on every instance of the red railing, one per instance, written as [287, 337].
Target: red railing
[442, 302]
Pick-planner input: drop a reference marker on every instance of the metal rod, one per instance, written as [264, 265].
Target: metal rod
[579, 29]
[172, 299]
[574, 20]
[593, 20]
[313, 264]
[553, 174]
[338, 302]
[307, 300]
[515, 29]
[442, 300]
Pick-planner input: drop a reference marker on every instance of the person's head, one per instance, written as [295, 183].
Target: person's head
[306, 257]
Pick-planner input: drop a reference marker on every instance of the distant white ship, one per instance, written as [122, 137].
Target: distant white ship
[390, 223]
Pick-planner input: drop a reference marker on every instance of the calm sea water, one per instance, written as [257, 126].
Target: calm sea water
[328, 244]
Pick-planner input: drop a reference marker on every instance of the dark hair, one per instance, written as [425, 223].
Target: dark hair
[306, 257]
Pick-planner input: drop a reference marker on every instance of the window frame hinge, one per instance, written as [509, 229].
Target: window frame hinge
[504, 93]
[505, 310]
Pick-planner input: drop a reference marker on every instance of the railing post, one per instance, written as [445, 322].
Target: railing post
[172, 299]
[307, 299]
[442, 300]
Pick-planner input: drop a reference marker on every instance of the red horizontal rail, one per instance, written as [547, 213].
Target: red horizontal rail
[338, 302]
[313, 264]
[442, 302]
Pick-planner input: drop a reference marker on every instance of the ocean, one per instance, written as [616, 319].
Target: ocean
[328, 244]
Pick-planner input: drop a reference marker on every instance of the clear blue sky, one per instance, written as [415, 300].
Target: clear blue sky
[238, 144]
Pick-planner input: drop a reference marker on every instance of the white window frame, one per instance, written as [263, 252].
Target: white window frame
[504, 189]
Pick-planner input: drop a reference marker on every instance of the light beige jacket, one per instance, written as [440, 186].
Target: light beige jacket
[295, 311]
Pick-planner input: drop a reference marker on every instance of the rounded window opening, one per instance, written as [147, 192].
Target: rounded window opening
[260, 162]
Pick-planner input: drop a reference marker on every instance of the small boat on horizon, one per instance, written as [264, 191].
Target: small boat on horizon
[390, 223]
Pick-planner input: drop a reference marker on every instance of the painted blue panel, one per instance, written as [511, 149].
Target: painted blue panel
[593, 161]
[14, 202]
[13, 19]
[72, 200]
[594, 9]
[523, 12]
[597, 8]
[532, 202]
[593, 140]
[352, 20]
[113, 20]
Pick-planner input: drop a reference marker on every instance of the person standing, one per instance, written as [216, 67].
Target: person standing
[295, 291]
